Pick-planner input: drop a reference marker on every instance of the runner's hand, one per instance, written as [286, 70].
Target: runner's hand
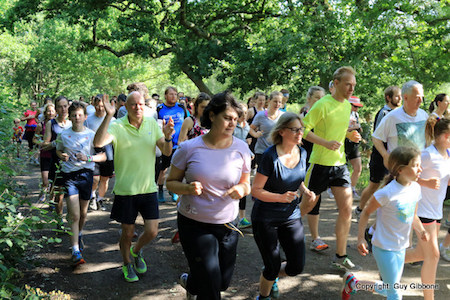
[333, 145]
[236, 192]
[354, 136]
[308, 195]
[168, 129]
[288, 197]
[195, 188]
[362, 247]
[110, 109]
[64, 157]
[432, 183]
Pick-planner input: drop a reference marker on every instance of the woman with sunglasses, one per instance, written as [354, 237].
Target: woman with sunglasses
[276, 218]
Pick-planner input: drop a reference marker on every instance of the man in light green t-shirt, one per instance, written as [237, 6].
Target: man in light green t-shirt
[329, 117]
[134, 138]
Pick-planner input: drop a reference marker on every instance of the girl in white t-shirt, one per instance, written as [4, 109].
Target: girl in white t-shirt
[396, 205]
[434, 181]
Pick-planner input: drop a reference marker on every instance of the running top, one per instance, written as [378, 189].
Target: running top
[72, 143]
[280, 179]
[196, 130]
[329, 118]
[178, 114]
[217, 170]
[134, 156]
[263, 123]
[395, 216]
[400, 129]
[433, 165]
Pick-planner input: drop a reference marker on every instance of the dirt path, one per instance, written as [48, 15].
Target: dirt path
[101, 277]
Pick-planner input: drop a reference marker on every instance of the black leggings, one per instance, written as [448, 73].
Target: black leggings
[211, 253]
[269, 236]
[242, 203]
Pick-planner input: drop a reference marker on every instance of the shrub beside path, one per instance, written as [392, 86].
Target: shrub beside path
[101, 276]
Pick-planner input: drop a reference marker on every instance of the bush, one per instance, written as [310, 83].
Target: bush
[18, 217]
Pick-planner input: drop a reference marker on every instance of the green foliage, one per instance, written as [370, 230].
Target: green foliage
[18, 217]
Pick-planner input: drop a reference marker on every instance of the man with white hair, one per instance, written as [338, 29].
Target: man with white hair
[134, 138]
[404, 126]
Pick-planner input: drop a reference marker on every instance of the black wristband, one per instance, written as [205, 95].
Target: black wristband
[168, 140]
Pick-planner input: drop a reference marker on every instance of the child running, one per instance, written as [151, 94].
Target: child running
[396, 205]
[17, 135]
[434, 181]
[74, 146]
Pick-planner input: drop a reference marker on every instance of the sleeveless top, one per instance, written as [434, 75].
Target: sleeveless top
[55, 129]
[196, 130]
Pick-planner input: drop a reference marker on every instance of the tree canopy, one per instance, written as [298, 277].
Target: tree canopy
[251, 44]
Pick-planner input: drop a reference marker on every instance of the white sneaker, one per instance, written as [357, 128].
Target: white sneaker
[445, 252]
[330, 193]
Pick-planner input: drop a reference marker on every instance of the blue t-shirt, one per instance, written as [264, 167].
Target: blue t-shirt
[178, 113]
[280, 180]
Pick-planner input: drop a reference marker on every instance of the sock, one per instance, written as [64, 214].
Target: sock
[75, 248]
[341, 256]
[160, 188]
[99, 199]
[371, 230]
[81, 233]
[93, 194]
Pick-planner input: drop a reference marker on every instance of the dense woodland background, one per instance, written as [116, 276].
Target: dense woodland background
[81, 48]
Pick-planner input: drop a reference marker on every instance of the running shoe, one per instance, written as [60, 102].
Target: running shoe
[174, 197]
[318, 245]
[445, 252]
[349, 286]
[42, 198]
[416, 264]
[100, 205]
[139, 262]
[244, 223]
[368, 238]
[345, 264]
[93, 204]
[357, 212]
[330, 193]
[275, 292]
[183, 282]
[161, 198]
[129, 273]
[176, 237]
[262, 298]
[77, 258]
[81, 242]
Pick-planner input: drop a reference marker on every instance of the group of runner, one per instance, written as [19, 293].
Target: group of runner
[210, 149]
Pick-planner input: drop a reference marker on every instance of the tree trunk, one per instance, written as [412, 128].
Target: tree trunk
[198, 81]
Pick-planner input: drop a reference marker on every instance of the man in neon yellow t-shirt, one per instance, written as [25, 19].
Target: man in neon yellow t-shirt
[134, 138]
[329, 117]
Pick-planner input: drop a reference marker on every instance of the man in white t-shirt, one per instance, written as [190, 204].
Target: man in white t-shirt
[404, 126]
[103, 170]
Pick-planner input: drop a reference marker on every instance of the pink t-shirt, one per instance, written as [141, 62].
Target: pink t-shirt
[217, 170]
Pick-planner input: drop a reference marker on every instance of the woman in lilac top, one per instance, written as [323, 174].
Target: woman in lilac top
[216, 167]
